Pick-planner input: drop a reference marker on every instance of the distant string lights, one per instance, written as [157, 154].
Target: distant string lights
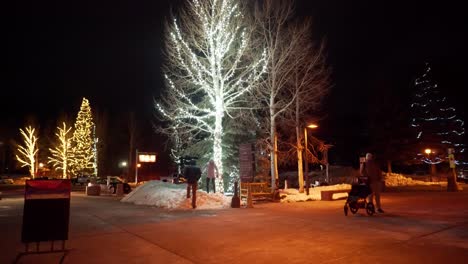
[434, 122]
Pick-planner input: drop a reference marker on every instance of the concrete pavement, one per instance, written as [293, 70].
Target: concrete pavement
[419, 227]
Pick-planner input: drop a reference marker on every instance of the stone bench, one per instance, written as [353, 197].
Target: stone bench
[93, 190]
[328, 194]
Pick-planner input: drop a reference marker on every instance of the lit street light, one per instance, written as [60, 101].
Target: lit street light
[428, 151]
[136, 172]
[311, 126]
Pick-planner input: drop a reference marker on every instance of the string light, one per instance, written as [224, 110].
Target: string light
[61, 153]
[431, 117]
[29, 150]
[83, 142]
[210, 72]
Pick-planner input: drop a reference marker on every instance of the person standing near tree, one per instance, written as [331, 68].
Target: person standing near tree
[371, 170]
[211, 173]
[192, 173]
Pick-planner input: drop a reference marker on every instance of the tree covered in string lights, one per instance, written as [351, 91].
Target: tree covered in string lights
[28, 151]
[61, 155]
[210, 66]
[435, 123]
[83, 151]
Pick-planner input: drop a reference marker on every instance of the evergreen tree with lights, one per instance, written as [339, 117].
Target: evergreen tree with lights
[435, 123]
[83, 151]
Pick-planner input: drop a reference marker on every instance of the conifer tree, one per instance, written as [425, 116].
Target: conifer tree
[435, 123]
[83, 142]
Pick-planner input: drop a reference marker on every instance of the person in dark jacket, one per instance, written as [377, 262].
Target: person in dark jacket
[372, 171]
[192, 174]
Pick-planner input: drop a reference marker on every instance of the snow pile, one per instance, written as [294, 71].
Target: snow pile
[394, 179]
[173, 196]
[293, 195]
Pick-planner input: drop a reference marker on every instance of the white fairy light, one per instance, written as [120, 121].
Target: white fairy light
[60, 158]
[435, 122]
[208, 73]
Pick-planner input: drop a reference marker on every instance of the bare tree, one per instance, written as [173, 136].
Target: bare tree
[102, 139]
[210, 67]
[27, 153]
[310, 82]
[284, 44]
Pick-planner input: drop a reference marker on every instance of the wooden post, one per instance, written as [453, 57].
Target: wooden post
[249, 197]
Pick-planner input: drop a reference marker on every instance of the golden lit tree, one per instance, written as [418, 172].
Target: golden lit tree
[28, 151]
[83, 142]
[61, 157]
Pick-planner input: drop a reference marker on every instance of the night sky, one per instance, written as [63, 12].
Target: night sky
[110, 52]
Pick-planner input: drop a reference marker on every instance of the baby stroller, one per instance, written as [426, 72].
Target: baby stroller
[357, 198]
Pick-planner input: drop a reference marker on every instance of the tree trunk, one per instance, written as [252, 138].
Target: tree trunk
[217, 149]
[300, 172]
[452, 185]
[273, 151]
[131, 144]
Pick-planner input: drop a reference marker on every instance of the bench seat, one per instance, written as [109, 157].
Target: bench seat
[259, 190]
[327, 195]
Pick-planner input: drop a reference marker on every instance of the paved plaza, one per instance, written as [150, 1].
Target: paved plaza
[418, 227]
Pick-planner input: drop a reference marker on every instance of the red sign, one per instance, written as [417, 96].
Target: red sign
[46, 211]
[47, 189]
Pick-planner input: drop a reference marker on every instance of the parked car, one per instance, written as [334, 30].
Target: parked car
[462, 175]
[112, 185]
[80, 180]
[173, 178]
[6, 181]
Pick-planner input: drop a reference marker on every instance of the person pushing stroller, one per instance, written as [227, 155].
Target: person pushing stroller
[372, 172]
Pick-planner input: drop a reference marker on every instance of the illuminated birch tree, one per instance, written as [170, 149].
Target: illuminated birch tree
[83, 142]
[61, 157]
[27, 152]
[210, 66]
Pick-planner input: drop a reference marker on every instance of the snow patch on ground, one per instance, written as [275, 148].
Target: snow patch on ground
[173, 196]
[293, 195]
[394, 180]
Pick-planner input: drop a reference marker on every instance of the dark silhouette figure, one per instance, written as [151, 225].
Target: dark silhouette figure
[372, 171]
[192, 174]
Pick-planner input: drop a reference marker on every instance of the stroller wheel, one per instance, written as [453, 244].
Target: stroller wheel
[353, 207]
[370, 209]
[345, 210]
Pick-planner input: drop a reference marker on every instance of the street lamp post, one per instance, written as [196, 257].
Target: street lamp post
[136, 166]
[428, 151]
[306, 163]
